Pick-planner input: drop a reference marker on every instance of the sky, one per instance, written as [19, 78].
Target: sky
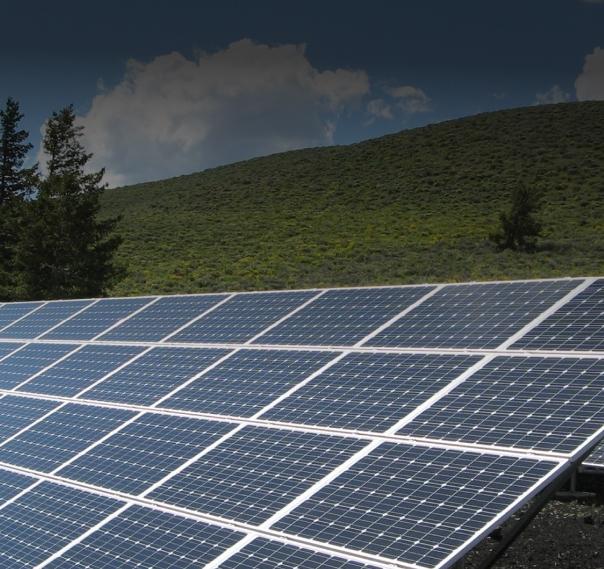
[169, 88]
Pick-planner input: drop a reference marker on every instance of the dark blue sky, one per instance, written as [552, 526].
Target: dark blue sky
[459, 58]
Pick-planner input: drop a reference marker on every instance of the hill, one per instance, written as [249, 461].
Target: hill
[416, 206]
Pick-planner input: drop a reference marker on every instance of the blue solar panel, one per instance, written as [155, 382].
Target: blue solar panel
[16, 413]
[256, 472]
[46, 519]
[414, 504]
[162, 317]
[144, 452]
[140, 538]
[154, 375]
[96, 319]
[8, 347]
[12, 483]
[578, 325]
[532, 403]
[21, 365]
[80, 370]
[473, 315]
[242, 317]
[343, 317]
[266, 554]
[43, 319]
[15, 310]
[369, 391]
[597, 456]
[248, 381]
[61, 435]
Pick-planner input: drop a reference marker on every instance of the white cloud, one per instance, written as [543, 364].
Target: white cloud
[590, 83]
[552, 96]
[411, 99]
[175, 115]
[379, 109]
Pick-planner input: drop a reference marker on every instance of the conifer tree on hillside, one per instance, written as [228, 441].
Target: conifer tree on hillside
[66, 251]
[16, 184]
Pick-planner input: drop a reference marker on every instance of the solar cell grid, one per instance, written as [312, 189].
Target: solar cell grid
[8, 347]
[255, 472]
[473, 315]
[578, 325]
[414, 504]
[551, 404]
[96, 318]
[144, 451]
[597, 456]
[49, 315]
[16, 413]
[12, 483]
[369, 391]
[44, 520]
[15, 310]
[153, 375]
[162, 317]
[60, 436]
[80, 370]
[343, 317]
[247, 381]
[242, 317]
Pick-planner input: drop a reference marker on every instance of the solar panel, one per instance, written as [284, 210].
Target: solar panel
[242, 317]
[16, 413]
[551, 404]
[11, 312]
[162, 318]
[473, 315]
[148, 539]
[248, 381]
[7, 348]
[144, 451]
[43, 319]
[80, 370]
[255, 472]
[154, 375]
[11, 483]
[96, 319]
[596, 458]
[578, 325]
[414, 504]
[369, 391]
[343, 317]
[44, 520]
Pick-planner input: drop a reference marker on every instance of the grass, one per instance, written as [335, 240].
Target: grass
[416, 206]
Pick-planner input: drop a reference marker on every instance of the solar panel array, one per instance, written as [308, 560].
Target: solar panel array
[333, 429]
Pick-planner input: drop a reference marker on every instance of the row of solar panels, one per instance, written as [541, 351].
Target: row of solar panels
[479, 316]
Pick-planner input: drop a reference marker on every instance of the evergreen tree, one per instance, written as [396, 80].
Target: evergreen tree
[519, 229]
[66, 250]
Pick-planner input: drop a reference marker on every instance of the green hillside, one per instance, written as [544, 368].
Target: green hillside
[409, 207]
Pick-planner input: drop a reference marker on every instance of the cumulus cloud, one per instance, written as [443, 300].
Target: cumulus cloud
[590, 83]
[552, 96]
[410, 99]
[174, 115]
[379, 109]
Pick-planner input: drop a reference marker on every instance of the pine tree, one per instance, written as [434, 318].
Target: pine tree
[66, 251]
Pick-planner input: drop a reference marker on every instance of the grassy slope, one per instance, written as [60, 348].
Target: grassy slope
[413, 206]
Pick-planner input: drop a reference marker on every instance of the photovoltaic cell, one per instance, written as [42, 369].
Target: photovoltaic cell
[247, 381]
[551, 404]
[414, 504]
[80, 370]
[242, 317]
[597, 456]
[154, 375]
[141, 538]
[256, 472]
[12, 483]
[578, 325]
[96, 319]
[16, 413]
[162, 317]
[15, 310]
[369, 391]
[266, 554]
[8, 347]
[61, 435]
[43, 319]
[473, 315]
[144, 452]
[44, 520]
[33, 358]
[343, 317]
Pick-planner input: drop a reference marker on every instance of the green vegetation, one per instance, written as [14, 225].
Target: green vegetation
[410, 207]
